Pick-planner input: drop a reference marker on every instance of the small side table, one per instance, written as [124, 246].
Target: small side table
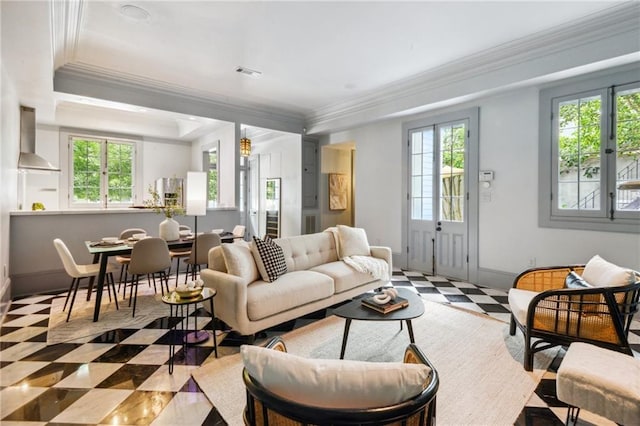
[196, 336]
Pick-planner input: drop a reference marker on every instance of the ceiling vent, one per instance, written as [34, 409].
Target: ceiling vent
[249, 72]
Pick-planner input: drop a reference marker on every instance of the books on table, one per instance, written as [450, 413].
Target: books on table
[390, 306]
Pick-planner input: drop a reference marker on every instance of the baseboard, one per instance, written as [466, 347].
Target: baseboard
[5, 299]
[495, 279]
[43, 282]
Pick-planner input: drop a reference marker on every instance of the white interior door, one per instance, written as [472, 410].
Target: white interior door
[254, 195]
[421, 199]
[437, 223]
[452, 227]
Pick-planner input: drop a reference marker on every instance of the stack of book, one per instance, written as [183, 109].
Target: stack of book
[390, 306]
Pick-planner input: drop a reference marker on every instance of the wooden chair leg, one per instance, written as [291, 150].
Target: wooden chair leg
[528, 352]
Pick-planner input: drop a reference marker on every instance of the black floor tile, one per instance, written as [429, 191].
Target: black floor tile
[42, 337]
[50, 374]
[457, 298]
[53, 352]
[129, 376]
[46, 406]
[120, 353]
[537, 416]
[473, 291]
[495, 308]
[114, 336]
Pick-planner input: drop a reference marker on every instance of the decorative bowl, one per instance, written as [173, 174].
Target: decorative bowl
[139, 236]
[184, 233]
[190, 293]
[110, 239]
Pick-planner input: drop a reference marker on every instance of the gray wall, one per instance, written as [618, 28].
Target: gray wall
[35, 265]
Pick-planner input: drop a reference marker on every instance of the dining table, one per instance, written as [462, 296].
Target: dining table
[103, 250]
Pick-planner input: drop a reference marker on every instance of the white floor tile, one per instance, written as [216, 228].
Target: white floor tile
[161, 380]
[22, 334]
[15, 372]
[86, 353]
[88, 375]
[153, 355]
[21, 350]
[185, 408]
[93, 406]
[13, 397]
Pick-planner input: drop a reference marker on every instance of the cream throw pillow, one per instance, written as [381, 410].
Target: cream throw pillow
[353, 241]
[332, 383]
[600, 273]
[239, 261]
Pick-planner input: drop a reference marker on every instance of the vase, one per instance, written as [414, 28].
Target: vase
[169, 229]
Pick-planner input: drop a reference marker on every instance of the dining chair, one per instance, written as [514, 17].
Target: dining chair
[149, 257]
[200, 248]
[178, 254]
[78, 272]
[124, 259]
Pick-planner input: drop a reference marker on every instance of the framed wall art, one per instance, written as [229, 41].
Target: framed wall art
[338, 187]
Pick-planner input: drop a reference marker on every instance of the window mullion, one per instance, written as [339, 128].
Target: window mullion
[104, 180]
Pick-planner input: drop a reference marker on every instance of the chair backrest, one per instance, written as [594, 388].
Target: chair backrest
[265, 407]
[184, 228]
[202, 244]
[149, 255]
[130, 232]
[238, 231]
[68, 262]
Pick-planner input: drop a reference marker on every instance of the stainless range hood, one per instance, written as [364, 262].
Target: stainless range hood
[28, 159]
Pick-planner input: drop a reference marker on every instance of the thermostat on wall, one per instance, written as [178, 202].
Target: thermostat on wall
[486, 176]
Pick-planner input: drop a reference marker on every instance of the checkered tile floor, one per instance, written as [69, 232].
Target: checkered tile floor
[121, 377]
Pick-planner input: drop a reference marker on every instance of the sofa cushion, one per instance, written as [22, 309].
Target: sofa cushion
[292, 290]
[306, 251]
[600, 273]
[216, 259]
[239, 261]
[353, 241]
[333, 383]
[344, 277]
[269, 258]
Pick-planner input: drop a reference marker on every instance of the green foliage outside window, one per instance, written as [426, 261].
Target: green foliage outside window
[89, 162]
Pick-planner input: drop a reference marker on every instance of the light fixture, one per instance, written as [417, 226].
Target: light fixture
[245, 146]
[196, 201]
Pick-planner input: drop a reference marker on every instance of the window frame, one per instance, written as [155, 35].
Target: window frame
[207, 167]
[104, 178]
[549, 215]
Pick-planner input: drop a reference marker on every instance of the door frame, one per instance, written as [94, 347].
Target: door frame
[473, 115]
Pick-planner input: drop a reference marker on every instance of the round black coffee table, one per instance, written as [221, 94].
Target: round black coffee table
[355, 311]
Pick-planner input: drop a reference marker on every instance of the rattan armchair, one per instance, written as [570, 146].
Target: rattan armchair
[550, 315]
[266, 408]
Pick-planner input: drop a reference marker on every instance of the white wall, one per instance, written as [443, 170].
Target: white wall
[226, 161]
[282, 158]
[9, 149]
[509, 236]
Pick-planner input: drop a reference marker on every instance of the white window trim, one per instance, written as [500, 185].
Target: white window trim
[66, 135]
[548, 215]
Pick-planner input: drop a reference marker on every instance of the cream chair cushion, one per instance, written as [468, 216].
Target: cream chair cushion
[600, 273]
[332, 383]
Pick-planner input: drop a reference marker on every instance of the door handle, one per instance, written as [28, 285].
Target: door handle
[439, 228]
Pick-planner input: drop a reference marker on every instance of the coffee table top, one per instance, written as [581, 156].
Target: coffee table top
[355, 310]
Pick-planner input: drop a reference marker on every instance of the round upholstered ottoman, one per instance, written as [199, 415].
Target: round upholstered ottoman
[601, 381]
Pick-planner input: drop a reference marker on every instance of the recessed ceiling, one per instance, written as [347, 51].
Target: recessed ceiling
[312, 55]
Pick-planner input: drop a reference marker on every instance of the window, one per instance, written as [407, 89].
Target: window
[102, 172]
[592, 180]
[210, 160]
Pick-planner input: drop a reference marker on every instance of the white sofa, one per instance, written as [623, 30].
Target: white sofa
[315, 279]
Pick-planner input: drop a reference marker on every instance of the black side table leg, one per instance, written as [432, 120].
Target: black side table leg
[347, 324]
[410, 328]
[213, 328]
[172, 339]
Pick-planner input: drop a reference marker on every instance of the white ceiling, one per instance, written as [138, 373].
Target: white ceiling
[313, 55]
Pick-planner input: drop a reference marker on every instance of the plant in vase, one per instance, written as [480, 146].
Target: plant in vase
[169, 228]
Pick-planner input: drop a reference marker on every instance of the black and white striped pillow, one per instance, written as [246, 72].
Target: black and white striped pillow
[271, 257]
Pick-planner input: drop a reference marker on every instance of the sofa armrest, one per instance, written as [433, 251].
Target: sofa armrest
[546, 278]
[231, 298]
[383, 253]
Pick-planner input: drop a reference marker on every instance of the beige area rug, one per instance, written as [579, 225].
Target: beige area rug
[81, 327]
[482, 381]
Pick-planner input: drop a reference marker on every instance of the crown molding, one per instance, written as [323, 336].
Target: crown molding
[617, 21]
[66, 17]
[91, 81]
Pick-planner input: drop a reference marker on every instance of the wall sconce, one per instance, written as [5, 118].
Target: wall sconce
[245, 146]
